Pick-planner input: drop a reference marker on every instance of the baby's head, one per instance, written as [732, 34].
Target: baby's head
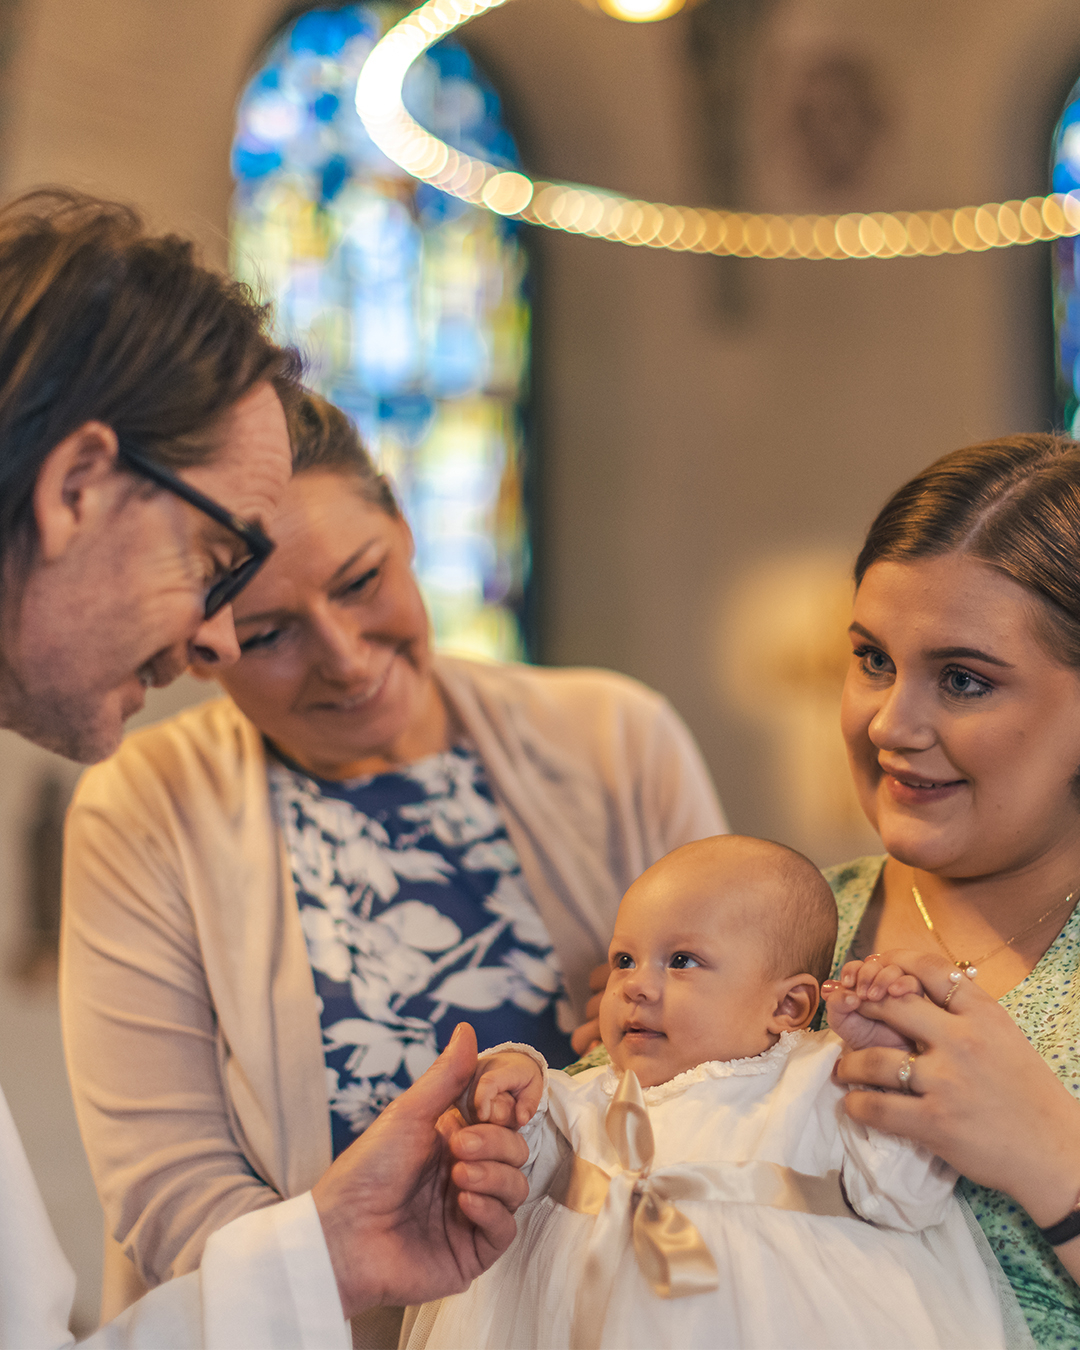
[718, 948]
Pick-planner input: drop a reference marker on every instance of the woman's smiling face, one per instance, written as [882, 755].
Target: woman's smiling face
[335, 666]
[962, 730]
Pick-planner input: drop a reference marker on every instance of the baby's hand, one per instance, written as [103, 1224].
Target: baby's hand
[867, 982]
[506, 1089]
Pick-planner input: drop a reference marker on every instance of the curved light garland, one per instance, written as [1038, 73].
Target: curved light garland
[577, 209]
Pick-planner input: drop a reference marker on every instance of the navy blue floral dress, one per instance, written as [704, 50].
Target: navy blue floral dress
[416, 917]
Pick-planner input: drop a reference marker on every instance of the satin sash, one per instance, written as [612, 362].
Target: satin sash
[637, 1207]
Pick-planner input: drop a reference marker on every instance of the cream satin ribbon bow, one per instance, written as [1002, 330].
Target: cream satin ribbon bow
[637, 1206]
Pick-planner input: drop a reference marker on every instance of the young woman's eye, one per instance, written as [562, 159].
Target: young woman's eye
[622, 961]
[963, 683]
[260, 641]
[873, 661]
[683, 961]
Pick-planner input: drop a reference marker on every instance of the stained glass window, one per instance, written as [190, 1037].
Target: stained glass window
[1065, 163]
[410, 306]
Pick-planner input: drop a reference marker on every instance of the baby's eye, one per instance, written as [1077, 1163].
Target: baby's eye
[683, 961]
[622, 961]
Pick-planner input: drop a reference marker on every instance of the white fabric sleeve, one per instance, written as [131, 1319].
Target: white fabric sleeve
[893, 1182]
[265, 1283]
[37, 1285]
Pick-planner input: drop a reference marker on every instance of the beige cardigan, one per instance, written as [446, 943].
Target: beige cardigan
[189, 1012]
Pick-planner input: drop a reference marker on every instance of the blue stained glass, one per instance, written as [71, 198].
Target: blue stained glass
[409, 305]
[1065, 177]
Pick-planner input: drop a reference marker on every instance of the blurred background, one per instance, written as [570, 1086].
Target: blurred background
[660, 463]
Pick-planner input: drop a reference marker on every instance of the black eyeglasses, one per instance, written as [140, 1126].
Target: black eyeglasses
[228, 587]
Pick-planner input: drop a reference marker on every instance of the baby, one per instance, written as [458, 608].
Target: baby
[706, 1187]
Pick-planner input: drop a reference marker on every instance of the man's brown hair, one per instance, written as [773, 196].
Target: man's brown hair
[101, 321]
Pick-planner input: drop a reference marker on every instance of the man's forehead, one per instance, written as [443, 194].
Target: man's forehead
[254, 460]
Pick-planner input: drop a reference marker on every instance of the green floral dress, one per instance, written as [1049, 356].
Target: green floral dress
[1046, 1008]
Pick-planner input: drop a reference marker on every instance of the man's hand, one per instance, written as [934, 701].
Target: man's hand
[584, 1037]
[421, 1204]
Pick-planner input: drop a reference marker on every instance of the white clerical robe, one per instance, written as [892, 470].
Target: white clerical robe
[265, 1283]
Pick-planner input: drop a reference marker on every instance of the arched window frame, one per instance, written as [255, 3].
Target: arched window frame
[1065, 177]
[428, 344]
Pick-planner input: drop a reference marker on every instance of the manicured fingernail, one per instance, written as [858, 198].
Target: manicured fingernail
[469, 1143]
[828, 986]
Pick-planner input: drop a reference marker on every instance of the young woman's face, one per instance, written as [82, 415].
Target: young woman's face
[962, 730]
[335, 665]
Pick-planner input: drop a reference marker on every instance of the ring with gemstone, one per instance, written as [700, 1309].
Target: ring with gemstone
[904, 1072]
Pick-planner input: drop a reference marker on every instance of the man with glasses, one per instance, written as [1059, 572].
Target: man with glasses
[143, 448]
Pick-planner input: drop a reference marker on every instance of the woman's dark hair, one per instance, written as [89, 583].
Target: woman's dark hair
[324, 438]
[1014, 504]
[100, 321]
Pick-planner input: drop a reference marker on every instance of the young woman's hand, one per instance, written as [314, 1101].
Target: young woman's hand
[506, 1089]
[868, 981]
[979, 1094]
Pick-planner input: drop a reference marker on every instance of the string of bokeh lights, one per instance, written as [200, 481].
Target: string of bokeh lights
[577, 209]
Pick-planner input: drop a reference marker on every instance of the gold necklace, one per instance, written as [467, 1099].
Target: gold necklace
[961, 964]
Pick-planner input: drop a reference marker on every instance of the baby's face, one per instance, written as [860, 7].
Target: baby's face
[688, 978]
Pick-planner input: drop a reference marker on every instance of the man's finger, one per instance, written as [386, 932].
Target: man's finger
[494, 1223]
[489, 1143]
[436, 1090]
[500, 1181]
[598, 978]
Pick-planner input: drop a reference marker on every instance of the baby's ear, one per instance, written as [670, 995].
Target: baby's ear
[796, 1005]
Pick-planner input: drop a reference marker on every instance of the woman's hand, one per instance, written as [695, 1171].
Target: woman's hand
[979, 1095]
[588, 1034]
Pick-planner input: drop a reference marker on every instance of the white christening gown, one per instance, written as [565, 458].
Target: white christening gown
[790, 1265]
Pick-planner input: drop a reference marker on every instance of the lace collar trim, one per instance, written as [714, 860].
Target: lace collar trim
[750, 1067]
